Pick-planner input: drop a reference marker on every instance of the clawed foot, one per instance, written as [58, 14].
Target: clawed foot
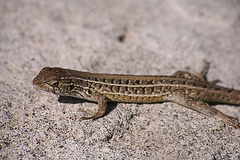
[90, 114]
[231, 121]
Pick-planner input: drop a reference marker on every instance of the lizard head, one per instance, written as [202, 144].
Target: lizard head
[52, 80]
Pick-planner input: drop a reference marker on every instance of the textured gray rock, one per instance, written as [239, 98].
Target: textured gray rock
[131, 37]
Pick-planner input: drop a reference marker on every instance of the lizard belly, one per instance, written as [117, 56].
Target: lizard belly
[135, 98]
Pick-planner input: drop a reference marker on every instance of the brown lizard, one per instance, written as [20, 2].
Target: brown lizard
[187, 89]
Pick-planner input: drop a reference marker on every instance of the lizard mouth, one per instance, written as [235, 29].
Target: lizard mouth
[44, 87]
[36, 81]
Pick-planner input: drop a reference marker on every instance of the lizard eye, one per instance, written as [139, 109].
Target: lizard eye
[55, 83]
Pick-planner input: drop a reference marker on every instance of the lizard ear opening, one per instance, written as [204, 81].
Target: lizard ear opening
[71, 87]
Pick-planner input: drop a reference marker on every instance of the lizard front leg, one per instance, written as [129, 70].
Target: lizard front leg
[181, 98]
[102, 105]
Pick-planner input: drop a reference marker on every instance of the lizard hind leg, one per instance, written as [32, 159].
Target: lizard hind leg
[181, 98]
[204, 72]
[202, 76]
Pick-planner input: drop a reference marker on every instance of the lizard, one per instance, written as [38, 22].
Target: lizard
[191, 90]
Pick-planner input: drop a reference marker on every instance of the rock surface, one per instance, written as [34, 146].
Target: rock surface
[130, 37]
